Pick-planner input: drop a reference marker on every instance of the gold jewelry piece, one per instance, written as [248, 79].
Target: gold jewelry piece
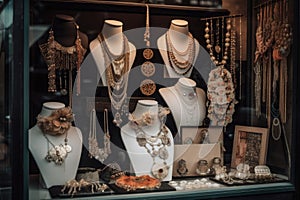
[148, 69]
[131, 183]
[99, 153]
[58, 123]
[179, 66]
[182, 170]
[147, 87]
[58, 57]
[117, 71]
[148, 53]
[74, 186]
[202, 168]
[157, 143]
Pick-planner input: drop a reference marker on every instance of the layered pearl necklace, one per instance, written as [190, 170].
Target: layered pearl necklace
[174, 55]
[117, 69]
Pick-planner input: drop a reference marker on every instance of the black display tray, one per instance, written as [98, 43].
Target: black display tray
[55, 192]
[164, 187]
[249, 182]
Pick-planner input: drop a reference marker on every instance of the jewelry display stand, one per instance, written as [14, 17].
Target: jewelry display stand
[52, 173]
[186, 101]
[140, 159]
[112, 31]
[179, 39]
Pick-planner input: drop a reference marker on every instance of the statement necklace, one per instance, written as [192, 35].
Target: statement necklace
[179, 66]
[154, 145]
[117, 69]
[99, 153]
[64, 59]
[58, 123]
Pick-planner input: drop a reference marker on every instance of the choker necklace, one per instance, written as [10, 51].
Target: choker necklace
[180, 67]
[64, 59]
[154, 145]
[117, 70]
[58, 123]
[99, 153]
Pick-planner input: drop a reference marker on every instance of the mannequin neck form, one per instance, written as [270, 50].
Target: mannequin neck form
[179, 31]
[185, 85]
[151, 106]
[49, 107]
[112, 32]
[64, 29]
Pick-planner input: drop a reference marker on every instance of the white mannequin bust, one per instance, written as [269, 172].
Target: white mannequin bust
[141, 160]
[186, 102]
[53, 174]
[179, 37]
[112, 31]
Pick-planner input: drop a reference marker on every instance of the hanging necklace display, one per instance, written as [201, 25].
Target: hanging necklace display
[147, 86]
[221, 97]
[210, 43]
[154, 145]
[99, 153]
[240, 52]
[58, 123]
[64, 59]
[233, 53]
[283, 41]
[177, 58]
[117, 71]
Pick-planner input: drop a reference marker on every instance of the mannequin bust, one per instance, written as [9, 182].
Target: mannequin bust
[65, 33]
[112, 32]
[186, 102]
[52, 173]
[141, 160]
[179, 37]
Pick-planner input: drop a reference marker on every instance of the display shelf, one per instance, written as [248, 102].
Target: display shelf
[129, 7]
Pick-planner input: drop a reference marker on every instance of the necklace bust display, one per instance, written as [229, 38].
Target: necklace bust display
[186, 101]
[147, 138]
[56, 152]
[178, 49]
[114, 55]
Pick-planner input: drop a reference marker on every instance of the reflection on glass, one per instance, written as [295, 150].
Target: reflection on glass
[5, 63]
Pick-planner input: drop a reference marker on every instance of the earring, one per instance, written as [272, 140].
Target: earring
[182, 170]
[202, 168]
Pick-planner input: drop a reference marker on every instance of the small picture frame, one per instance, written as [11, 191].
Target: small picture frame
[200, 134]
[249, 146]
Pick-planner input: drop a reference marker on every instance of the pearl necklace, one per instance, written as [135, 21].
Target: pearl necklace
[117, 77]
[217, 48]
[180, 67]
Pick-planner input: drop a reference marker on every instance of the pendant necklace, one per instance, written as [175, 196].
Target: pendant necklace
[58, 153]
[154, 145]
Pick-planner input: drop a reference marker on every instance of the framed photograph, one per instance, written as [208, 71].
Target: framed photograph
[249, 146]
[200, 135]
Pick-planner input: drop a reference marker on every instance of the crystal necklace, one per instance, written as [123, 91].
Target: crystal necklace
[58, 153]
[117, 69]
[154, 145]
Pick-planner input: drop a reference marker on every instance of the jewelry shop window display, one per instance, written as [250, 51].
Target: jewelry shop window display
[179, 49]
[55, 144]
[149, 143]
[114, 56]
[187, 103]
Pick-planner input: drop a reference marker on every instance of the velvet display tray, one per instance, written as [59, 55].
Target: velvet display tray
[55, 192]
[249, 182]
[164, 187]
